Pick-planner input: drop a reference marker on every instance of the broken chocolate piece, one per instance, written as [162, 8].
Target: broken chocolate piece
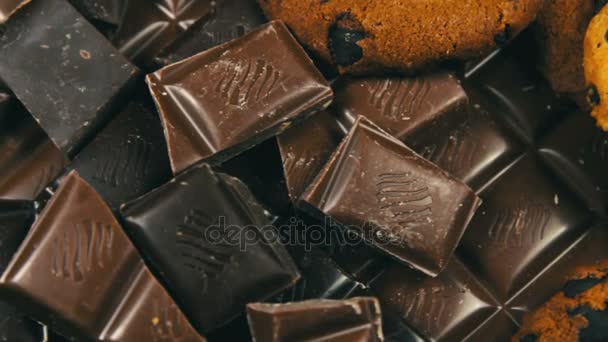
[404, 205]
[77, 245]
[356, 319]
[225, 100]
[215, 250]
[304, 150]
[448, 307]
[528, 218]
[71, 76]
[127, 158]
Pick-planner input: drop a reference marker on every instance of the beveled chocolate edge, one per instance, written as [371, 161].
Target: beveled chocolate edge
[368, 301]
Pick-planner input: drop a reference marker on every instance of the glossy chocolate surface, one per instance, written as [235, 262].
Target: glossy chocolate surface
[76, 245]
[405, 205]
[586, 251]
[28, 158]
[127, 158]
[71, 76]
[320, 277]
[577, 150]
[304, 150]
[526, 220]
[473, 150]
[152, 25]
[400, 105]
[229, 20]
[448, 307]
[225, 100]
[209, 225]
[511, 89]
[356, 319]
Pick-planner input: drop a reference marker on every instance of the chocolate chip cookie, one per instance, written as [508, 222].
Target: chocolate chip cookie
[596, 67]
[366, 36]
[560, 33]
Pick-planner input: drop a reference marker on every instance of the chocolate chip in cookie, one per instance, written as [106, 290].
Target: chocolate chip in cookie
[343, 37]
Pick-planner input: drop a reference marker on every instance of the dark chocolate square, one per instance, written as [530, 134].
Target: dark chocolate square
[127, 158]
[211, 243]
[225, 100]
[526, 220]
[577, 150]
[403, 204]
[71, 76]
[355, 319]
[448, 307]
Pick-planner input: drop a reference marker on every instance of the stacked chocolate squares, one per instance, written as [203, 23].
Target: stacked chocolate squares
[182, 170]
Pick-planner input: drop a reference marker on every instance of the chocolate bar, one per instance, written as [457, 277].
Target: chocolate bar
[72, 75]
[229, 20]
[448, 307]
[28, 158]
[77, 245]
[526, 220]
[432, 114]
[356, 319]
[401, 203]
[204, 245]
[152, 25]
[512, 90]
[225, 100]
[127, 158]
[304, 150]
[401, 105]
